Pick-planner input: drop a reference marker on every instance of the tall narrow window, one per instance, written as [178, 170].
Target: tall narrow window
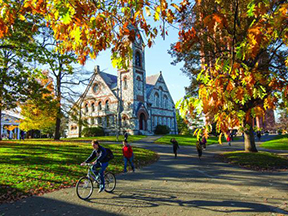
[99, 106]
[125, 84]
[107, 121]
[156, 99]
[139, 83]
[107, 105]
[93, 107]
[138, 59]
[99, 121]
[86, 108]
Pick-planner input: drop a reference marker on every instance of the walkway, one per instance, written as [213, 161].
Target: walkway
[182, 186]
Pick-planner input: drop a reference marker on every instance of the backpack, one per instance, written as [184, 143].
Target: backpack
[109, 154]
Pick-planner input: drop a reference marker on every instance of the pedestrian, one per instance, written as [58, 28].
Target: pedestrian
[229, 138]
[127, 155]
[199, 148]
[203, 142]
[175, 146]
[126, 136]
[22, 135]
[100, 162]
[259, 135]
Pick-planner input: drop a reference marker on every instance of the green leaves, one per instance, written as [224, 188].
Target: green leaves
[251, 9]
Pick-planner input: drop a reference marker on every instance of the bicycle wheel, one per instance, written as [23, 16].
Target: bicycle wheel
[110, 182]
[84, 188]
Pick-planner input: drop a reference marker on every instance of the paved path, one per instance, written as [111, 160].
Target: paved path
[182, 186]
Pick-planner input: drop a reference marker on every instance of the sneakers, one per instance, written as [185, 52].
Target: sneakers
[101, 188]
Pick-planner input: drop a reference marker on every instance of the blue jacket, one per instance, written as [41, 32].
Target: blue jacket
[101, 153]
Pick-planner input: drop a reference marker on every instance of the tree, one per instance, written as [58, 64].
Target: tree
[17, 75]
[63, 70]
[88, 27]
[242, 50]
[40, 113]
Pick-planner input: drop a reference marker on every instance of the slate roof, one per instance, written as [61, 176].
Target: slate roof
[111, 80]
[151, 80]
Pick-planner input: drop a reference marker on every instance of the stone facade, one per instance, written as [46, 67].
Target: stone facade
[129, 101]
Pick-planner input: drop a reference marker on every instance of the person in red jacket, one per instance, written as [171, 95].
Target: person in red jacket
[127, 155]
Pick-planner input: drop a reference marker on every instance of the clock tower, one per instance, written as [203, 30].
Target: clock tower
[132, 86]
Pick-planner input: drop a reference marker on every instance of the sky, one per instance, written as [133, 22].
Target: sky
[156, 59]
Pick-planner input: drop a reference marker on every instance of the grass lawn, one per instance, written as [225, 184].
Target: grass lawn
[260, 161]
[280, 142]
[186, 140]
[131, 138]
[34, 167]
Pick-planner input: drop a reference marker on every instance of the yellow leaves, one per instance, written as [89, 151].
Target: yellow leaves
[284, 9]
[176, 7]
[230, 86]
[157, 13]
[215, 20]
[147, 10]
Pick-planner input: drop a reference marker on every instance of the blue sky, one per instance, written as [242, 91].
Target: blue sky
[156, 59]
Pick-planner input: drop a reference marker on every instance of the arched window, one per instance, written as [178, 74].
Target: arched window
[165, 101]
[125, 84]
[95, 87]
[138, 59]
[86, 108]
[99, 121]
[139, 83]
[107, 105]
[156, 99]
[93, 107]
[99, 106]
[161, 97]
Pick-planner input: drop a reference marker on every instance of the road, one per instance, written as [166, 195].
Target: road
[182, 186]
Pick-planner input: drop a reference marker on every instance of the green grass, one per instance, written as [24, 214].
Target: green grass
[263, 161]
[35, 167]
[280, 142]
[131, 138]
[186, 140]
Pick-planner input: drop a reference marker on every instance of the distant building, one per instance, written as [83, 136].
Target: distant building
[129, 101]
[10, 119]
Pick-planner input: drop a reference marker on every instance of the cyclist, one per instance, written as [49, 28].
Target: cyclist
[101, 161]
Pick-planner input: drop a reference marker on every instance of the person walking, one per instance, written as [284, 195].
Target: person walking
[126, 136]
[259, 135]
[127, 155]
[175, 146]
[100, 162]
[199, 149]
[203, 142]
[229, 138]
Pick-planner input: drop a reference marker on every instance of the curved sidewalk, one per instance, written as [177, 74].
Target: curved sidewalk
[182, 186]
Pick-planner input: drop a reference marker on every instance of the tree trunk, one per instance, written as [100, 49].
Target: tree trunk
[57, 128]
[0, 124]
[80, 121]
[58, 118]
[249, 139]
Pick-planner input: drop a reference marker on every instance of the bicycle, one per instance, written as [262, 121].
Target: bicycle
[84, 186]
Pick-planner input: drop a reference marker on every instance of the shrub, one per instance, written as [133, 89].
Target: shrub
[93, 131]
[162, 129]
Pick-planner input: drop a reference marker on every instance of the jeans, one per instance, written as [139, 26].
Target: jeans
[103, 167]
[130, 161]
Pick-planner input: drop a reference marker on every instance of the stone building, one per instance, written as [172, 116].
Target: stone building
[10, 121]
[129, 101]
